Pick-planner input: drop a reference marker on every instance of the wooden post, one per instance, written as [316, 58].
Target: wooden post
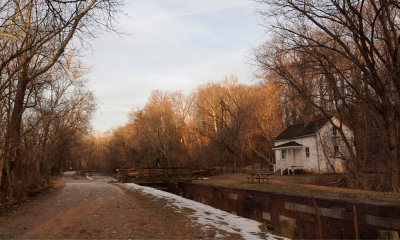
[292, 160]
[318, 217]
[355, 220]
[264, 226]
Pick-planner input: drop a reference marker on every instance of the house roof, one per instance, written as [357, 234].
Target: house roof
[301, 129]
[289, 144]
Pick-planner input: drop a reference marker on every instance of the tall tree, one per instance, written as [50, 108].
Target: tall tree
[339, 55]
[35, 35]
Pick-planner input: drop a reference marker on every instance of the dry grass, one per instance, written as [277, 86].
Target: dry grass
[305, 185]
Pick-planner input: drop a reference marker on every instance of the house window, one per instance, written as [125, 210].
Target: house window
[307, 152]
[336, 141]
[283, 154]
[334, 131]
[336, 150]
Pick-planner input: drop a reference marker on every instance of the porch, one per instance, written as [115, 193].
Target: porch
[291, 157]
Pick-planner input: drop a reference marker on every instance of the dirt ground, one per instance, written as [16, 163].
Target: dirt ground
[301, 184]
[79, 208]
[98, 209]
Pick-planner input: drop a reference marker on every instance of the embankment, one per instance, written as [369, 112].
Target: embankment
[294, 215]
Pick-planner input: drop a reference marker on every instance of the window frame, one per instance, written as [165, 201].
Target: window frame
[336, 150]
[307, 149]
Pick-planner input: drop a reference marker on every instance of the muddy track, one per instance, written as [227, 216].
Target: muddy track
[94, 209]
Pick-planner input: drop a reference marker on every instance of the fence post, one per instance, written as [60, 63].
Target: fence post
[318, 217]
[355, 220]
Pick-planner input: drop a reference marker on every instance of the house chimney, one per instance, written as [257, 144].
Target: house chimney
[307, 118]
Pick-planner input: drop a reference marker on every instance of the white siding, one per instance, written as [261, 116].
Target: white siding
[321, 147]
[300, 155]
[326, 142]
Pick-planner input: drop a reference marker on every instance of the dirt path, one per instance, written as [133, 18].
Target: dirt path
[99, 209]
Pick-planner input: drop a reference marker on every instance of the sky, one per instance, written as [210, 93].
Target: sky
[170, 45]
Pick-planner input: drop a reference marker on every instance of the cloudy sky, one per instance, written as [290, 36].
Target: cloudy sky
[170, 45]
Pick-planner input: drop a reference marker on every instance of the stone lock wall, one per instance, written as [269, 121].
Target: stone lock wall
[294, 215]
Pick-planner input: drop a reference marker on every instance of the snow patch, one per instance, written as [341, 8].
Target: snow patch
[88, 177]
[209, 216]
[204, 178]
[69, 173]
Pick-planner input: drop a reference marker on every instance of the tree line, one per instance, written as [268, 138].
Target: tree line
[225, 124]
[45, 103]
[322, 58]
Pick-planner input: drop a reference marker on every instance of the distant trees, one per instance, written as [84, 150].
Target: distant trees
[160, 130]
[238, 119]
[342, 59]
[226, 124]
[41, 90]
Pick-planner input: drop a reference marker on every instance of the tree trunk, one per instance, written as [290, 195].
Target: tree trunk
[392, 133]
[13, 137]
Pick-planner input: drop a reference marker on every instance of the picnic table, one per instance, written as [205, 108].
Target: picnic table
[261, 176]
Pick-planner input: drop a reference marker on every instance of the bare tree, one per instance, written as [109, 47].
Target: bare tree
[337, 55]
[34, 37]
[239, 119]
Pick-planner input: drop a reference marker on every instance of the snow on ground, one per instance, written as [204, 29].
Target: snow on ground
[88, 177]
[69, 173]
[209, 216]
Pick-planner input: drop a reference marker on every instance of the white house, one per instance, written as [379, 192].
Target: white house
[315, 147]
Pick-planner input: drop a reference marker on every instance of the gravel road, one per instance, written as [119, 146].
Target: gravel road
[98, 209]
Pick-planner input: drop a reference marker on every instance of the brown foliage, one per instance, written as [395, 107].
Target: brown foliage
[227, 125]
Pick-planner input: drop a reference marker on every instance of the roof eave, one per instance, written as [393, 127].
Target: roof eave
[286, 139]
[288, 147]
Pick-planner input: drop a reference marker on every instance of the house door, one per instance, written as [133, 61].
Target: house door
[297, 157]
